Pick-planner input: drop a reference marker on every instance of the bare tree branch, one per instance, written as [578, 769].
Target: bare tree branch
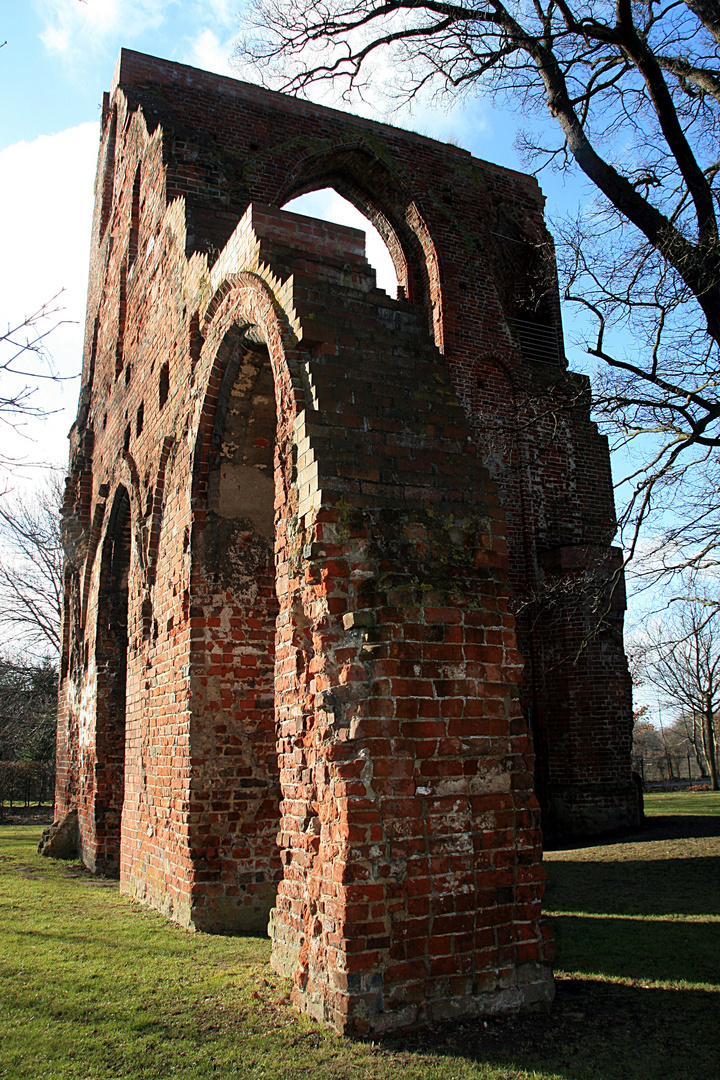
[31, 572]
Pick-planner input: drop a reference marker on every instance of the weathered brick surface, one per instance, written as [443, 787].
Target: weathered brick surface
[311, 531]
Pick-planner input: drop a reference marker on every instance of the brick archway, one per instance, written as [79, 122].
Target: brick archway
[102, 793]
[379, 193]
[242, 465]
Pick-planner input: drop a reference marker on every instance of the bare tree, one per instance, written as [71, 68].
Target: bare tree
[669, 752]
[31, 571]
[644, 744]
[25, 361]
[28, 719]
[629, 93]
[689, 728]
[682, 660]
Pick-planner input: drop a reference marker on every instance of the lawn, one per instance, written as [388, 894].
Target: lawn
[682, 802]
[93, 986]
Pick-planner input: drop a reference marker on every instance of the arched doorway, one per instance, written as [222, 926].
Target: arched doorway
[233, 588]
[102, 850]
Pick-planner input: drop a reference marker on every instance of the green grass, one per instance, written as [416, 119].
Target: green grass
[682, 802]
[93, 986]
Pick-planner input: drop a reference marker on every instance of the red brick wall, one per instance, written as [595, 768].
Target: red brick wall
[471, 246]
[344, 513]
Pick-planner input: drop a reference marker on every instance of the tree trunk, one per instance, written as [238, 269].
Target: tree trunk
[696, 744]
[709, 741]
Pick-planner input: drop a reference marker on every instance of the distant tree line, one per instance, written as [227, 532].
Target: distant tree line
[671, 752]
[30, 605]
[28, 715]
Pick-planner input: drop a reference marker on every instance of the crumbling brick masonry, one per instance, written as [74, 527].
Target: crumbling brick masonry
[331, 555]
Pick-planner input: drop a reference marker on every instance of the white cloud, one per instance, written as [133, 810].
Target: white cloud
[224, 12]
[211, 54]
[72, 27]
[46, 192]
[56, 38]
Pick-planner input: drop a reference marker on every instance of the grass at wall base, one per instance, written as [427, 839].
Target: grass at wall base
[93, 986]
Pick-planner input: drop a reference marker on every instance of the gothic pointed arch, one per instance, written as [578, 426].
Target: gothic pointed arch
[242, 470]
[373, 186]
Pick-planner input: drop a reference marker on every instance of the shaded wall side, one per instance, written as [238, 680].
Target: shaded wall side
[103, 787]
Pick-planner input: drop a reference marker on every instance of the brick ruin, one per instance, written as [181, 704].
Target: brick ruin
[333, 556]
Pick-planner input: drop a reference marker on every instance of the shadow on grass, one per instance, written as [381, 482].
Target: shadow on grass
[679, 827]
[640, 950]
[596, 1031]
[654, 827]
[629, 911]
[649, 887]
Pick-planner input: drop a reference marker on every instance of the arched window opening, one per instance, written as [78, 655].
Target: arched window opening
[111, 650]
[356, 174]
[327, 205]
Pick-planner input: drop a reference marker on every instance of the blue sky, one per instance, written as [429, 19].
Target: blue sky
[60, 54]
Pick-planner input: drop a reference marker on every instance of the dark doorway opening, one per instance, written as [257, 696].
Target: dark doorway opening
[111, 661]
